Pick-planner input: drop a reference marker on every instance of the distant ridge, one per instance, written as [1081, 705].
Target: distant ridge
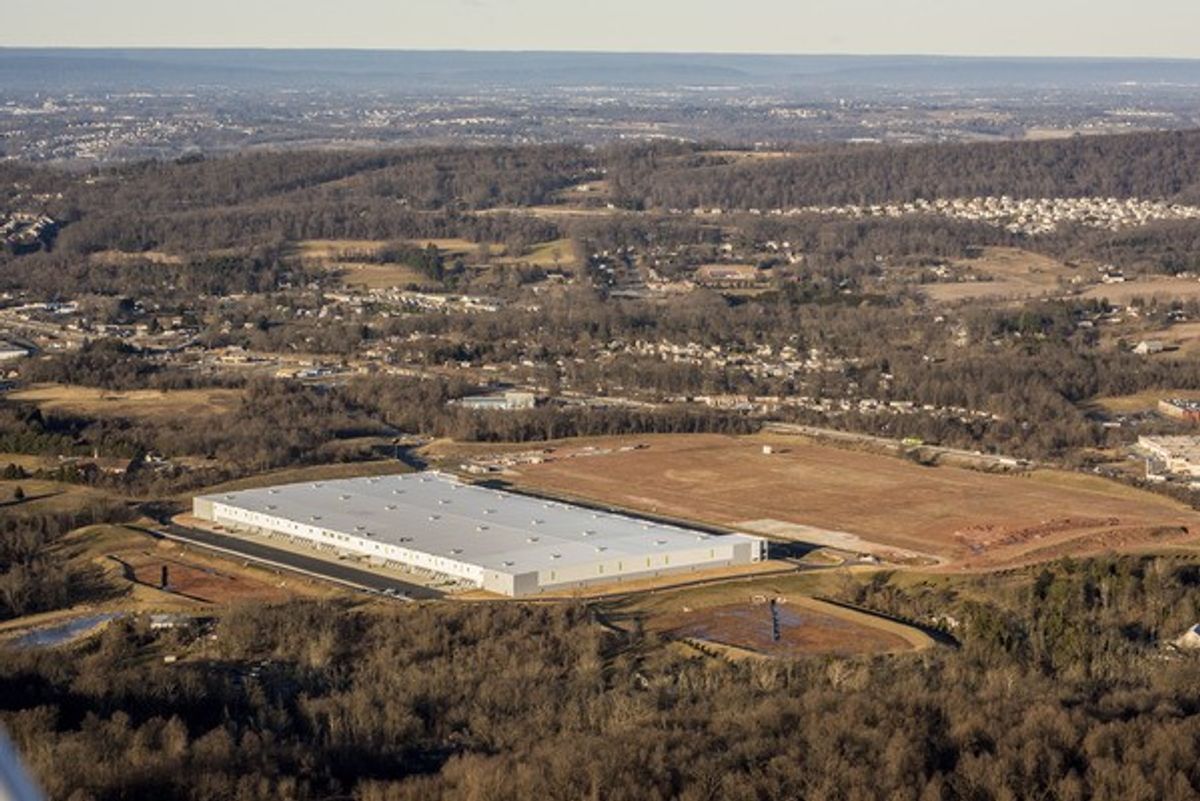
[40, 69]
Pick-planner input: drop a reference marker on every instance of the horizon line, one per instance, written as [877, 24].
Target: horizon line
[594, 52]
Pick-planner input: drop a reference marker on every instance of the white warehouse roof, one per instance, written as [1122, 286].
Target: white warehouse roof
[434, 513]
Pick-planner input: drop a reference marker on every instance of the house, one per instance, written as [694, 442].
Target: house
[1190, 639]
[727, 275]
[10, 352]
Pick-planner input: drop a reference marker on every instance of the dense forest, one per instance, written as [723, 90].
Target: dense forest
[1151, 165]
[1060, 689]
[262, 199]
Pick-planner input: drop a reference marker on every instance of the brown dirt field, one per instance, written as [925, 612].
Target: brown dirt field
[965, 519]
[806, 628]
[139, 404]
[200, 579]
[1012, 272]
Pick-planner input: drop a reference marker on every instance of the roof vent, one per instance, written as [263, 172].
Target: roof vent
[314, 517]
[271, 507]
[344, 497]
[273, 491]
[660, 542]
[601, 549]
[435, 517]
[508, 564]
[397, 492]
[532, 539]
[360, 527]
[455, 551]
[538, 522]
[556, 556]
[391, 507]
[481, 528]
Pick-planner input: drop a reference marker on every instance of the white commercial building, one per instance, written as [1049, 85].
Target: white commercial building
[507, 543]
[1172, 455]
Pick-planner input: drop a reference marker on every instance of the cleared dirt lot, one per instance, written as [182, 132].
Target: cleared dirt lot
[198, 577]
[961, 518]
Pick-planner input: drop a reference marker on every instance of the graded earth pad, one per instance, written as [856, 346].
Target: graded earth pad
[890, 507]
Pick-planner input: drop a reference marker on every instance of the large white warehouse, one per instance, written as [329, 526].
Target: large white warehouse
[499, 541]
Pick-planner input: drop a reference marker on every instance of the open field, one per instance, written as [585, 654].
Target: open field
[1182, 338]
[558, 253]
[959, 518]
[120, 258]
[137, 404]
[1011, 273]
[29, 461]
[1143, 401]
[48, 497]
[383, 276]
[1162, 288]
[323, 252]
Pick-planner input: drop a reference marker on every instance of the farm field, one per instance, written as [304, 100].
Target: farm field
[957, 518]
[137, 404]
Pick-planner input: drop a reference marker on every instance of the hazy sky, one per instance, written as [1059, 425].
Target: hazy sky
[971, 27]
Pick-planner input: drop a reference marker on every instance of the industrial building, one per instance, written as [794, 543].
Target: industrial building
[500, 541]
[1181, 409]
[1172, 456]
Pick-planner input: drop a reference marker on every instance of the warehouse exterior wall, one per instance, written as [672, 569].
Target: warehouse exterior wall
[202, 508]
[668, 564]
[257, 522]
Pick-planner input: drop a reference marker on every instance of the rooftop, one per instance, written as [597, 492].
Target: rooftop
[437, 514]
